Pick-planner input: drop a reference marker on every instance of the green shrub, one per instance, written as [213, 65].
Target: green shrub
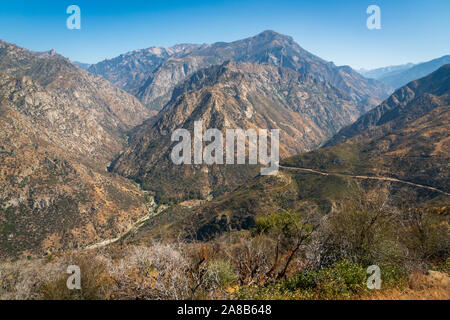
[443, 266]
[220, 273]
[284, 222]
[342, 280]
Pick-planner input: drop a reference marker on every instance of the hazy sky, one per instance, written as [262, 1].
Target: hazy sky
[412, 30]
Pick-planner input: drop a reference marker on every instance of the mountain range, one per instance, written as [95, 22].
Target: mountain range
[398, 76]
[84, 153]
[234, 95]
[380, 73]
[152, 74]
[399, 150]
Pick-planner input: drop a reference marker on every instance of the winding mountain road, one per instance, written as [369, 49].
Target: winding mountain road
[365, 178]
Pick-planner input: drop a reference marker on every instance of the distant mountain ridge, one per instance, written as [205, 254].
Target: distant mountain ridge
[130, 71]
[153, 80]
[385, 71]
[417, 71]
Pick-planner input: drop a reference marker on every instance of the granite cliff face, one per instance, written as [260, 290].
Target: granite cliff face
[234, 95]
[130, 71]
[61, 127]
[168, 69]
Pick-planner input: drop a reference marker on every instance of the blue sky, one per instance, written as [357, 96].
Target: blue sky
[412, 30]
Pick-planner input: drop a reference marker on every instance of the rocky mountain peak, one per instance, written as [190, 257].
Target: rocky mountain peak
[153, 80]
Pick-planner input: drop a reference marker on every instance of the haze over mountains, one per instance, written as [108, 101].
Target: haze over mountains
[406, 137]
[398, 76]
[74, 144]
[385, 71]
[274, 84]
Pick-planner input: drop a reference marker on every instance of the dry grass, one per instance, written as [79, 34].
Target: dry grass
[432, 286]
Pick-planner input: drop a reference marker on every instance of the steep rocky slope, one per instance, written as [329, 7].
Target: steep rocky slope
[130, 71]
[113, 109]
[61, 127]
[399, 105]
[406, 137]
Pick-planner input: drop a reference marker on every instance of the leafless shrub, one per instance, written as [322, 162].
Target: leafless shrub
[252, 258]
[24, 280]
[368, 231]
[160, 271]
[425, 237]
[360, 231]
